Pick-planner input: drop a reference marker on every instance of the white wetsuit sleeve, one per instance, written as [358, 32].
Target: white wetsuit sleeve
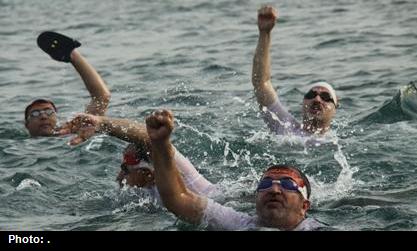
[218, 217]
[309, 224]
[279, 120]
[192, 178]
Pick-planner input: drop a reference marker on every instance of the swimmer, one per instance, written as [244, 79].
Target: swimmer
[40, 115]
[319, 104]
[282, 195]
[136, 168]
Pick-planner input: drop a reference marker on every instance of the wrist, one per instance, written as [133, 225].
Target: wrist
[162, 148]
[162, 145]
[74, 55]
[265, 33]
[104, 125]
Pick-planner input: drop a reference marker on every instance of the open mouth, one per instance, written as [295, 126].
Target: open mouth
[314, 109]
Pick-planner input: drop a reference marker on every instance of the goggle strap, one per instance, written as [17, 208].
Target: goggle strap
[303, 191]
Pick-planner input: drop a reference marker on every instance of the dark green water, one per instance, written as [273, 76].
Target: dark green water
[195, 57]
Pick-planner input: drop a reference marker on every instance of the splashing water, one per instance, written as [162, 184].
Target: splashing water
[212, 139]
[344, 183]
[408, 99]
[215, 140]
[95, 143]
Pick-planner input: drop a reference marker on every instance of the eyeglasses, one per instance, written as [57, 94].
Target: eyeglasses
[286, 183]
[323, 95]
[37, 113]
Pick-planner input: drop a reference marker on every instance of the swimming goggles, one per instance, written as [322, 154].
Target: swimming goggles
[286, 183]
[37, 113]
[323, 95]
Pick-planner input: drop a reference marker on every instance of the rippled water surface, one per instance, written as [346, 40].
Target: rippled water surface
[195, 57]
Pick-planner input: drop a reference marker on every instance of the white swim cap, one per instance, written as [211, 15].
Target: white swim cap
[328, 87]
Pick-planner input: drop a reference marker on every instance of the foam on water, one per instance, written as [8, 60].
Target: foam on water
[409, 100]
[95, 143]
[343, 185]
[28, 183]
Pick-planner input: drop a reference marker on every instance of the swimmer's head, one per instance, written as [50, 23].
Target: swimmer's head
[282, 197]
[328, 88]
[319, 104]
[136, 169]
[40, 117]
[292, 172]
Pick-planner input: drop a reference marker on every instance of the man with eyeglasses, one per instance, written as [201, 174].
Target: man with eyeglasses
[40, 115]
[319, 104]
[282, 195]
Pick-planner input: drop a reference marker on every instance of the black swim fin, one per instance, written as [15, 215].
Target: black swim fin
[58, 46]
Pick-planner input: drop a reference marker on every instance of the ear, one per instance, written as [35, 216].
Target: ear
[306, 205]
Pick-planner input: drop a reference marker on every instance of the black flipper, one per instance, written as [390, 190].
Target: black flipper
[58, 46]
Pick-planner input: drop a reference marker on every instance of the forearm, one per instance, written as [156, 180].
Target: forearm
[125, 129]
[100, 95]
[261, 72]
[174, 194]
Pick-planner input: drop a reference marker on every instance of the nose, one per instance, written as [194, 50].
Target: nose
[317, 98]
[276, 188]
[43, 115]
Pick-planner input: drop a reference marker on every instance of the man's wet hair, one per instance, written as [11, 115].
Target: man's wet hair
[302, 175]
[38, 101]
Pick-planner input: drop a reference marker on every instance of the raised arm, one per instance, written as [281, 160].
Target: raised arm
[174, 194]
[261, 71]
[62, 48]
[100, 94]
